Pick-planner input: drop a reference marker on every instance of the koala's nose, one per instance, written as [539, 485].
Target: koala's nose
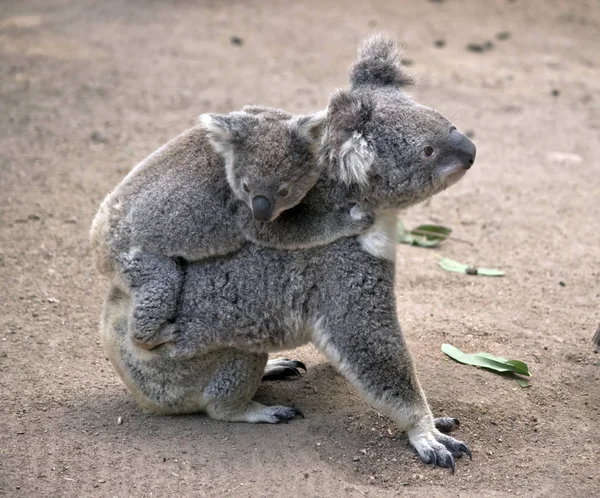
[261, 208]
[463, 148]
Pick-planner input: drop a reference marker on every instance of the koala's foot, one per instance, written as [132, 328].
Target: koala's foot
[446, 424]
[168, 333]
[283, 368]
[436, 448]
[255, 413]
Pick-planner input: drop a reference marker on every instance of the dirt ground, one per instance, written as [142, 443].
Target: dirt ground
[90, 88]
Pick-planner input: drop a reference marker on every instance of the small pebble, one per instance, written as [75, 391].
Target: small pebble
[236, 40]
[562, 284]
[555, 92]
[503, 35]
[440, 43]
[119, 420]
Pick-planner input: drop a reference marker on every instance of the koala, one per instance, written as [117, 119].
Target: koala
[182, 204]
[380, 150]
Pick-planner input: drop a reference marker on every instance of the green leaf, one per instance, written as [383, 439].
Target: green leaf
[490, 272]
[423, 235]
[486, 360]
[454, 266]
[524, 383]
[437, 233]
[451, 265]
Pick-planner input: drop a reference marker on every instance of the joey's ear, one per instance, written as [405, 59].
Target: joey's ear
[378, 64]
[310, 128]
[267, 112]
[345, 141]
[227, 131]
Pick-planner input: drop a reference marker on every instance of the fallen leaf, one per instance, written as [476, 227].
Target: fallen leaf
[486, 360]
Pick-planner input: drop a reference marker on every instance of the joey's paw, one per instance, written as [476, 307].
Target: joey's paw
[446, 424]
[283, 368]
[167, 333]
[278, 414]
[438, 449]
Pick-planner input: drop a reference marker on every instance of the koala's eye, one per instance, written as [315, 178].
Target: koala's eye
[284, 192]
[245, 187]
[428, 150]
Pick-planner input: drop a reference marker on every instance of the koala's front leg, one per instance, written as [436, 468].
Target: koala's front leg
[364, 341]
[155, 283]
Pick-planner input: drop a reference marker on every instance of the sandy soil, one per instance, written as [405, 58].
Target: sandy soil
[90, 88]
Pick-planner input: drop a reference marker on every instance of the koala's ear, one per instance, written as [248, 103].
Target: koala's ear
[227, 131]
[267, 112]
[345, 140]
[378, 64]
[310, 128]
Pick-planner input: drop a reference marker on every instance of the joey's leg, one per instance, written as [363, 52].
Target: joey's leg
[228, 395]
[155, 282]
[283, 368]
[365, 342]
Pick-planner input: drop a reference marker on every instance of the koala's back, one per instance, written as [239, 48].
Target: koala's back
[272, 299]
[168, 204]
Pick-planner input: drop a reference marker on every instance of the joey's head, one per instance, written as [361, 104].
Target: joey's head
[397, 152]
[270, 159]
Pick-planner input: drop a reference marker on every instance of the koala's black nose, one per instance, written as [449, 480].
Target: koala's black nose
[261, 208]
[463, 148]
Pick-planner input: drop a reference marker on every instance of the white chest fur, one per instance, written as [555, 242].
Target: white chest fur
[380, 239]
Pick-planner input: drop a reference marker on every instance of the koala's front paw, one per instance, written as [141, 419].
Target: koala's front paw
[167, 333]
[361, 219]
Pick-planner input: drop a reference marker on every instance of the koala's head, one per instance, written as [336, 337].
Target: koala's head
[394, 150]
[269, 156]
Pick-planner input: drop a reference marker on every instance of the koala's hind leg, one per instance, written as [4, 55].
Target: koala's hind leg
[364, 341]
[155, 282]
[283, 368]
[235, 379]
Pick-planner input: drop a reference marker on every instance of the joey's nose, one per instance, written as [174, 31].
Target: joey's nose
[261, 208]
[463, 148]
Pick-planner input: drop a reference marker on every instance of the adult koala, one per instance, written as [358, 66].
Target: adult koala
[384, 152]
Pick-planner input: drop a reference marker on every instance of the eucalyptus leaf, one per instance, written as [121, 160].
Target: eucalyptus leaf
[432, 232]
[423, 235]
[456, 267]
[486, 360]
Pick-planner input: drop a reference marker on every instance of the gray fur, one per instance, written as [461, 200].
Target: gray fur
[177, 207]
[340, 296]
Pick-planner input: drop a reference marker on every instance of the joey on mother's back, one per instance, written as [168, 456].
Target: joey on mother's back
[380, 151]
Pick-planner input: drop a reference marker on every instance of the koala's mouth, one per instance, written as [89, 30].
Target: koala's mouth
[450, 175]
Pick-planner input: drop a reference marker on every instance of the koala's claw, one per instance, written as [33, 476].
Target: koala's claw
[278, 414]
[446, 424]
[438, 449]
[283, 368]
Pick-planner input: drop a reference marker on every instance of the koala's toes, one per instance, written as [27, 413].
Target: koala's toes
[278, 414]
[283, 368]
[446, 424]
[437, 449]
[454, 446]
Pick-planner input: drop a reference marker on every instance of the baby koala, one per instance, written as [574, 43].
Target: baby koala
[174, 208]
[269, 159]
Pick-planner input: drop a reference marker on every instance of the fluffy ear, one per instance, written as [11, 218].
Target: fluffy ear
[227, 131]
[345, 140]
[378, 64]
[310, 128]
[267, 112]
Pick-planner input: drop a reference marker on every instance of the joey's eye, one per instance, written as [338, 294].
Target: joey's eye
[428, 150]
[284, 192]
[245, 187]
